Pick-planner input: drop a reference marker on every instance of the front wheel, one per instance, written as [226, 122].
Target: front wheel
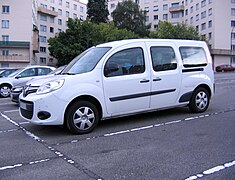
[5, 90]
[199, 101]
[82, 117]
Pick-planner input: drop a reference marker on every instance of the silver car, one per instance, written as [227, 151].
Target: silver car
[21, 76]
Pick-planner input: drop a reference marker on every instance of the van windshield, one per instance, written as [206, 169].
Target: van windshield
[86, 61]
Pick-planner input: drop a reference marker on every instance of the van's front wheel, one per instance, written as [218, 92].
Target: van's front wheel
[82, 117]
[199, 101]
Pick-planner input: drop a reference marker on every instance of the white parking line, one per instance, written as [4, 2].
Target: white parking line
[212, 170]
[14, 110]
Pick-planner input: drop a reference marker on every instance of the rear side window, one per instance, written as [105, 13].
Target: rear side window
[193, 56]
[163, 58]
[43, 71]
[125, 62]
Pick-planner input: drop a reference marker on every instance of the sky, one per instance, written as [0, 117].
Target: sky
[84, 1]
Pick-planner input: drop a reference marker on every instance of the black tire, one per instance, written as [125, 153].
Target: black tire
[199, 101]
[5, 90]
[86, 115]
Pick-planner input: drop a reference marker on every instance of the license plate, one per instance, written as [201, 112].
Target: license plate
[23, 105]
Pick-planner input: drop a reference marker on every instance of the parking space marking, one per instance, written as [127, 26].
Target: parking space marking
[148, 127]
[212, 170]
[14, 110]
[58, 154]
[9, 130]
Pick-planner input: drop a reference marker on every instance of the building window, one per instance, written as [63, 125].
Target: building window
[232, 23]
[155, 26]
[197, 17]
[203, 26]
[233, 1]
[75, 16]
[210, 1]
[210, 24]
[43, 28]
[67, 14]
[203, 3]
[43, 5]
[112, 6]
[43, 49]
[186, 12]
[75, 6]
[81, 17]
[59, 30]
[175, 4]
[5, 23]
[43, 39]
[5, 38]
[60, 11]
[210, 12]
[51, 30]
[210, 36]
[233, 11]
[175, 15]
[165, 6]
[155, 8]
[81, 9]
[203, 14]
[52, 1]
[165, 16]
[146, 9]
[43, 17]
[191, 9]
[52, 19]
[5, 52]
[146, 18]
[155, 17]
[5, 9]
[60, 21]
[197, 6]
[43, 60]
[60, 2]
[233, 35]
[191, 20]
[67, 4]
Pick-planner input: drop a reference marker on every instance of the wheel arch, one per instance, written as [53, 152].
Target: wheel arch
[88, 98]
[205, 86]
[8, 84]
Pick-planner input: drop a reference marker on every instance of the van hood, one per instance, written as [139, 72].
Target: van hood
[40, 81]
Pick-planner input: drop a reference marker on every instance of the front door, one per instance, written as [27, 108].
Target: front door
[126, 80]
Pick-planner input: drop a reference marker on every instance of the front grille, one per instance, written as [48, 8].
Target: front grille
[27, 112]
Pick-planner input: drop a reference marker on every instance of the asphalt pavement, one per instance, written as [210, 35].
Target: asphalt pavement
[167, 144]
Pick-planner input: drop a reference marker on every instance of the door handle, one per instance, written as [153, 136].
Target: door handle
[157, 79]
[144, 81]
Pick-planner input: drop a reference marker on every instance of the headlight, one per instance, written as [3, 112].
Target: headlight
[50, 86]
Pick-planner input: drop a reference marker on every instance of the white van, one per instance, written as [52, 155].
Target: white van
[122, 78]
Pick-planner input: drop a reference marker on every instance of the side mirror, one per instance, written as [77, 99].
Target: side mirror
[17, 77]
[110, 67]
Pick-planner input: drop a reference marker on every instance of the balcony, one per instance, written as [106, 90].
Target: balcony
[47, 11]
[176, 8]
[11, 58]
[14, 44]
[35, 42]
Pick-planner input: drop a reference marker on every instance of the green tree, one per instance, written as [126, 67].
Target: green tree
[167, 30]
[82, 35]
[128, 15]
[97, 11]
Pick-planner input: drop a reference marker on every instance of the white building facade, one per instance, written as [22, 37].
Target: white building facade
[214, 19]
[26, 25]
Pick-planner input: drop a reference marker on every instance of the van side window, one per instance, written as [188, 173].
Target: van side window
[125, 62]
[163, 58]
[193, 56]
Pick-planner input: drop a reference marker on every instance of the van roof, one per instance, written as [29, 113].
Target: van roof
[177, 42]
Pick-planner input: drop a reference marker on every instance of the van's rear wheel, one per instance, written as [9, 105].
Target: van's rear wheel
[82, 117]
[199, 101]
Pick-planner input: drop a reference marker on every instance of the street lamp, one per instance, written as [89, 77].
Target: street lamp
[231, 48]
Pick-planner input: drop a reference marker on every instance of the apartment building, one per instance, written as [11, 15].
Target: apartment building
[214, 19]
[26, 25]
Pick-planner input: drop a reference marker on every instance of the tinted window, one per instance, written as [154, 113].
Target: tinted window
[163, 58]
[43, 71]
[193, 56]
[28, 73]
[125, 62]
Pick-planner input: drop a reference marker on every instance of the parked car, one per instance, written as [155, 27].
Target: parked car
[7, 72]
[17, 90]
[21, 76]
[224, 68]
[122, 78]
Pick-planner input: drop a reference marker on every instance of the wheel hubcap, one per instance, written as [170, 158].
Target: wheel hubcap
[201, 100]
[5, 91]
[84, 118]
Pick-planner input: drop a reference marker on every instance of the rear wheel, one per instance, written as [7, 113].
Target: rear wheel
[5, 90]
[199, 101]
[82, 117]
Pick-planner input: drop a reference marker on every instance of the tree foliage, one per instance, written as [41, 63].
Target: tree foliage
[167, 30]
[82, 35]
[128, 15]
[97, 11]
